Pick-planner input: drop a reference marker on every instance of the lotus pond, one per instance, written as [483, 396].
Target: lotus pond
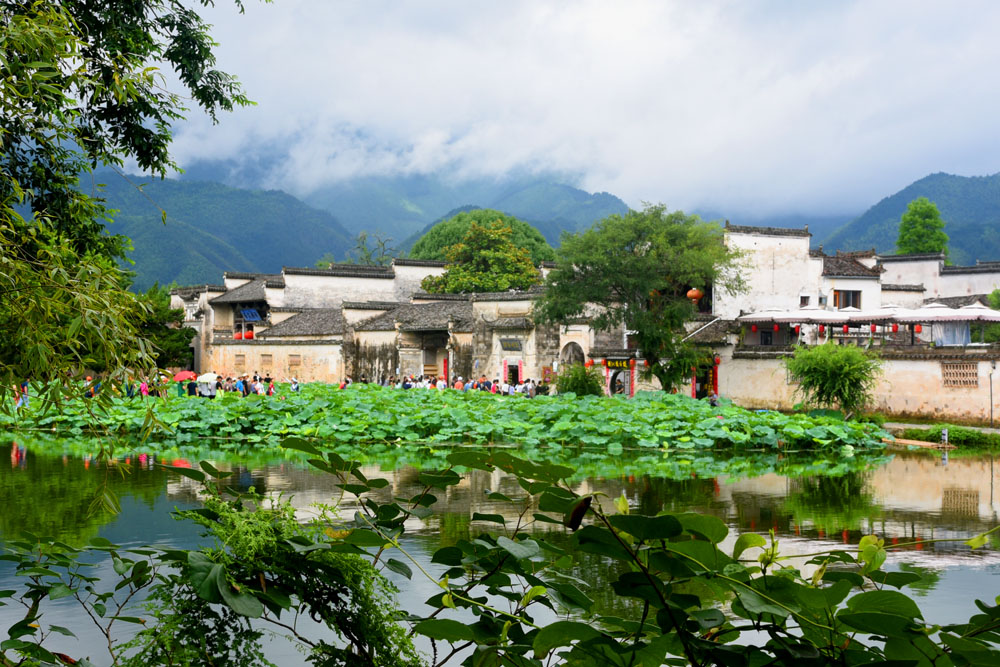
[816, 483]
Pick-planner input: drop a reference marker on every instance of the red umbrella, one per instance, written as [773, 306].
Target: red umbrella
[185, 375]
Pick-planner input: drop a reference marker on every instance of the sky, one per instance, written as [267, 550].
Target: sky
[765, 107]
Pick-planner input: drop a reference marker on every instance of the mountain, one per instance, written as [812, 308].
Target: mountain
[401, 206]
[969, 205]
[212, 228]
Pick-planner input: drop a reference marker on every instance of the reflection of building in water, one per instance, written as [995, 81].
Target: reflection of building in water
[911, 497]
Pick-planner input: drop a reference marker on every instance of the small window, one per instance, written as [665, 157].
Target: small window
[295, 360]
[265, 360]
[960, 374]
[241, 361]
[847, 299]
[822, 300]
[766, 338]
[803, 301]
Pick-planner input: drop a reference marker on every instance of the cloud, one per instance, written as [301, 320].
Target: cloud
[763, 107]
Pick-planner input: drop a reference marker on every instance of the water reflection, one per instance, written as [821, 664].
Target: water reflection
[810, 502]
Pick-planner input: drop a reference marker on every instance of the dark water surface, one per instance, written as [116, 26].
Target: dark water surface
[49, 489]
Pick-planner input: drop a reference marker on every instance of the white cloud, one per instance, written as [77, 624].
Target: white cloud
[758, 106]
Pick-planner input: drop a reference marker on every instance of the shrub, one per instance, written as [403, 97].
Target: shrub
[960, 436]
[835, 375]
[580, 380]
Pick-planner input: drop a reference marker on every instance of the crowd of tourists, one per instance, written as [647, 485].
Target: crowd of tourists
[527, 387]
[261, 385]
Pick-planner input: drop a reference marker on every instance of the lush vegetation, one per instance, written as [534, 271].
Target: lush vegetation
[971, 205]
[487, 259]
[435, 243]
[835, 376]
[211, 227]
[580, 380]
[960, 436]
[163, 326]
[368, 414]
[509, 593]
[921, 229]
[638, 269]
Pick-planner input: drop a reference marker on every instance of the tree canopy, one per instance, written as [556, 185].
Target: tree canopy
[486, 260]
[921, 229]
[635, 271]
[434, 244]
[82, 88]
[831, 375]
[164, 327]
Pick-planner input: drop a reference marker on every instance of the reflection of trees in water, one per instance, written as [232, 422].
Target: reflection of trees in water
[929, 578]
[658, 494]
[48, 494]
[832, 503]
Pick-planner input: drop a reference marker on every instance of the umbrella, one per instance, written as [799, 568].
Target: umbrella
[932, 312]
[977, 312]
[208, 377]
[185, 375]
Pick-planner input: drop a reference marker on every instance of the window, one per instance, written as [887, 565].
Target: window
[847, 299]
[822, 300]
[265, 360]
[766, 338]
[960, 374]
[803, 301]
[240, 361]
[295, 360]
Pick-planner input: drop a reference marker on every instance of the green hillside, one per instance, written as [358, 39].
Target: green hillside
[212, 228]
[405, 207]
[970, 207]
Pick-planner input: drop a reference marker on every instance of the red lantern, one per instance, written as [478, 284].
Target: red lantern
[248, 335]
[237, 336]
[918, 328]
[873, 328]
[631, 363]
[822, 330]
[895, 327]
[753, 328]
[776, 327]
[589, 363]
[604, 362]
[846, 328]
[718, 360]
[797, 329]
[645, 362]
[695, 294]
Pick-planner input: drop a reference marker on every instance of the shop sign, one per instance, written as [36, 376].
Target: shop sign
[618, 363]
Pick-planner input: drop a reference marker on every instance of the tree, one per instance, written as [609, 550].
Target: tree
[164, 327]
[379, 254]
[81, 88]
[635, 271]
[921, 229]
[580, 380]
[440, 237]
[485, 261]
[831, 375]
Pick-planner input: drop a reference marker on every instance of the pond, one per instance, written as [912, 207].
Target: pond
[810, 502]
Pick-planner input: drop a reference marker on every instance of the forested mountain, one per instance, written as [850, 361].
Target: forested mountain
[212, 228]
[970, 207]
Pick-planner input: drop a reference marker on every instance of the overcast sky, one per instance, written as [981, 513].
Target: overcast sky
[763, 107]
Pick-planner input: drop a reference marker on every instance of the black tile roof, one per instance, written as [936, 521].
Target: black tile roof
[371, 305]
[767, 231]
[512, 295]
[343, 270]
[310, 322]
[959, 301]
[423, 317]
[427, 296]
[189, 291]
[508, 323]
[979, 268]
[406, 261]
[715, 333]
[250, 292]
[843, 266]
[886, 287]
[911, 258]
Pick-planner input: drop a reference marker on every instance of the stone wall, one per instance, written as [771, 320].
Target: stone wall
[308, 361]
[914, 383]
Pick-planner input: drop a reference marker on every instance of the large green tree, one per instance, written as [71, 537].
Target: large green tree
[440, 237]
[921, 229]
[81, 87]
[635, 271]
[164, 327]
[486, 260]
